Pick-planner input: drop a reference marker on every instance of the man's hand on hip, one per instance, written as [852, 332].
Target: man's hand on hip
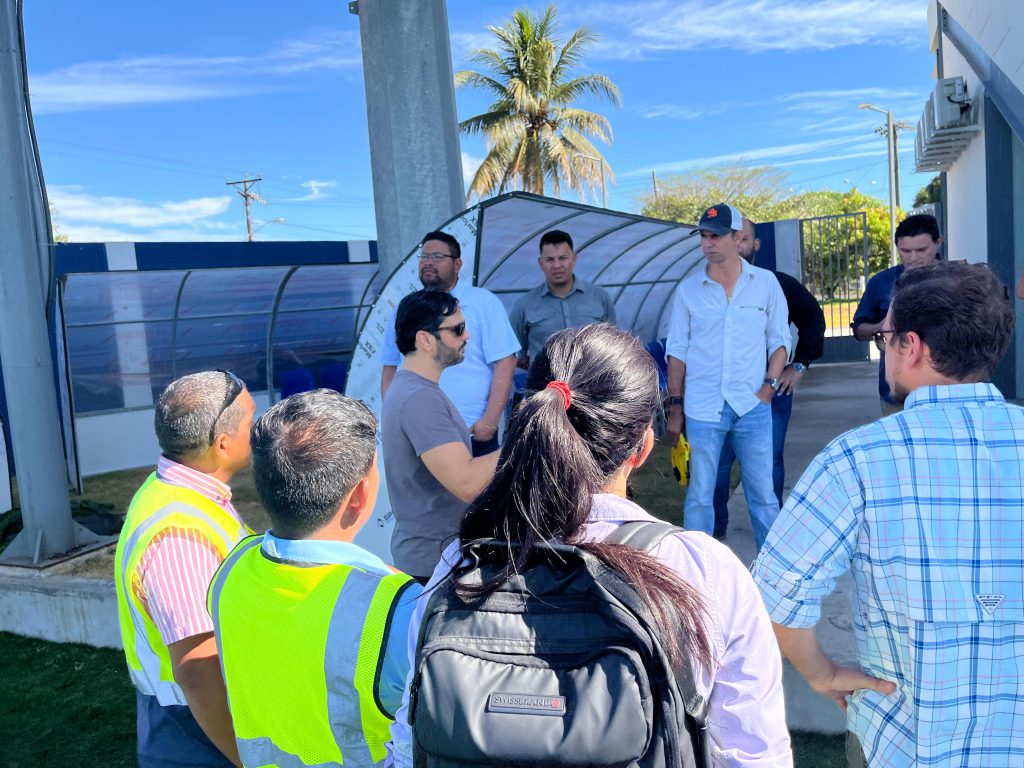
[482, 432]
[845, 681]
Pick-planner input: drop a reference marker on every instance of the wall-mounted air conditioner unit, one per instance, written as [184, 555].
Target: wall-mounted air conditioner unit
[947, 125]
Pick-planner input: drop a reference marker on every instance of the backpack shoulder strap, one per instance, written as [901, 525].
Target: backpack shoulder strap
[644, 535]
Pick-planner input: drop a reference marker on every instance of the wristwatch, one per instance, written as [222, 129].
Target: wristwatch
[774, 382]
[673, 400]
[798, 367]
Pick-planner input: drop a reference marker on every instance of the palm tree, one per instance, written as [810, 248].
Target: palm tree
[534, 134]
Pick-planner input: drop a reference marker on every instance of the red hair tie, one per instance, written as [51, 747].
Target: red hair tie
[563, 390]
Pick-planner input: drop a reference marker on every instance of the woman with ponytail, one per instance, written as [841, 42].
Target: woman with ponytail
[568, 452]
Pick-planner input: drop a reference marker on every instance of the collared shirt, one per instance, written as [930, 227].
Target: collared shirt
[746, 710]
[491, 339]
[539, 313]
[926, 509]
[725, 342]
[805, 313]
[175, 570]
[395, 665]
[873, 307]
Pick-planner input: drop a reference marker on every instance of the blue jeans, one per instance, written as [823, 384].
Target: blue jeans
[782, 409]
[751, 437]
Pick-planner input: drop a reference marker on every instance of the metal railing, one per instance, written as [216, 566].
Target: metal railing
[834, 266]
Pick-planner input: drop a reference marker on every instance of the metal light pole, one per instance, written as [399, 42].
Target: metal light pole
[890, 130]
[48, 529]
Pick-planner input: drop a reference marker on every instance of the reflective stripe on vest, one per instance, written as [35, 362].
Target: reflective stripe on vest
[271, 618]
[157, 507]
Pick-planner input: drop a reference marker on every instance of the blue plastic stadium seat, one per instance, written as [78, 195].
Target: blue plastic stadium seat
[296, 380]
[333, 376]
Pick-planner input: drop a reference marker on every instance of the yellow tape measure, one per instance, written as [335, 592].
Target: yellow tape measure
[681, 461]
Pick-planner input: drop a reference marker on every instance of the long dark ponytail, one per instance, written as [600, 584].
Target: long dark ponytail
[555, 459]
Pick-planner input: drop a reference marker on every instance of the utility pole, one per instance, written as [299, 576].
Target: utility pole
[654, 181]
[246, 196]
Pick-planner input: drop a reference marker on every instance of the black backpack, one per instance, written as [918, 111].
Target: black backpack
[561, 665]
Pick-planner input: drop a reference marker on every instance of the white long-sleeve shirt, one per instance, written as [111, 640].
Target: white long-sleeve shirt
[725, 342]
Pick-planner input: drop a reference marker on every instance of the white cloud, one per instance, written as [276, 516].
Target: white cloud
[174, 78]
[85, 217]
[680, 111]
[763, 154]
[469, 165]
[639, 29]
[316, 190]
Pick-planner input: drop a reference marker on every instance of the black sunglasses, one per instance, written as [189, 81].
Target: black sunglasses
[458, 330]
[235, 387]
[879, 338]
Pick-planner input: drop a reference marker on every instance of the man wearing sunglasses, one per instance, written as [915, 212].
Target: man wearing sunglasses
[480, 385]
[431, 471]
[924, 508]
[178, 529]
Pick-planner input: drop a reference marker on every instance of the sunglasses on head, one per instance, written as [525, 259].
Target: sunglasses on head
[235, 387]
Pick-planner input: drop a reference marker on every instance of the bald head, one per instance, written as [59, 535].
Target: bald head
[749, 242]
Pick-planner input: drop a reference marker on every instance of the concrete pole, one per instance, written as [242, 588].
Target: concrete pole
[24, 341]
[414, 131]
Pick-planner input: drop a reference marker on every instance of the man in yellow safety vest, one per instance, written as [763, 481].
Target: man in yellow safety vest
[179, 528]
[312, 629]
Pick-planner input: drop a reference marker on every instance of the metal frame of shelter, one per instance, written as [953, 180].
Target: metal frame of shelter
[618, 251]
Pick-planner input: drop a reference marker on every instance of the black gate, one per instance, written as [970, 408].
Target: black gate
[834, 267]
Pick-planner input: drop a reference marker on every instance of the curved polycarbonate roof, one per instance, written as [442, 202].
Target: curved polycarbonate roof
[129, 334]
[638, 260]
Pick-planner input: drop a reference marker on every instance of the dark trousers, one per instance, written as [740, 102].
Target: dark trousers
[855, 752]
[170, 737]
[782, 409]
[483, 447]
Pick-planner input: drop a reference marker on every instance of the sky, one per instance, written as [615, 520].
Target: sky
[144, 111]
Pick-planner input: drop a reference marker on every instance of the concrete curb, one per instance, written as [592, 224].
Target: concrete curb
[61, 609]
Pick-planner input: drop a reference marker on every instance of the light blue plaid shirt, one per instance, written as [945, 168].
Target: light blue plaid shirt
[926, 508]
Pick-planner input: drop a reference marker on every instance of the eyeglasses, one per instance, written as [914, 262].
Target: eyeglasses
[879, 338]
[235, 387]
[435, 256]
[458, 330]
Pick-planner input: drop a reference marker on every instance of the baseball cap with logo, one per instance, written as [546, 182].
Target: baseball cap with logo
[720, 220]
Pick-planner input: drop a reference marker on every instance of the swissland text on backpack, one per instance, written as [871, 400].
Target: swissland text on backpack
[561, 665]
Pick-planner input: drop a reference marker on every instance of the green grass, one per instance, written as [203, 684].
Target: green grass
[72, 705]
[64, 705]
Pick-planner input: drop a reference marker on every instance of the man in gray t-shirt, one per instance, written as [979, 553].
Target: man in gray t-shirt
[431, 473]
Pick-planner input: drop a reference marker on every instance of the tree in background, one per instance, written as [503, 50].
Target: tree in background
[930, 193]
[762, 193]
[758, 192]
[56, 233]
[536, 138]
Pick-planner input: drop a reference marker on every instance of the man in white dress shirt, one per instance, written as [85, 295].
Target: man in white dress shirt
[728, 340]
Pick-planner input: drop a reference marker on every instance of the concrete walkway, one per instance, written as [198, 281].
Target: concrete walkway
[831, 400]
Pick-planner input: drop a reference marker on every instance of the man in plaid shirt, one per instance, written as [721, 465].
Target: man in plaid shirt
[926, 507]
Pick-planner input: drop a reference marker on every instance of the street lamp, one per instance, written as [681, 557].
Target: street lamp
[890, 132]
[278, 220]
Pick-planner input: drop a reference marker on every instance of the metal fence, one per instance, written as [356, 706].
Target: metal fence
[834, 267]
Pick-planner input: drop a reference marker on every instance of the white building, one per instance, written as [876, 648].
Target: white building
[973, 131]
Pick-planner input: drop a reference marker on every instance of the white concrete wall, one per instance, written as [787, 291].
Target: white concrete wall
[61, 609]
[997, 26]
[108, 442]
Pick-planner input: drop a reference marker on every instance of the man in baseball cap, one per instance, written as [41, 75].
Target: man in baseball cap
[728, 339]
[720, 219]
